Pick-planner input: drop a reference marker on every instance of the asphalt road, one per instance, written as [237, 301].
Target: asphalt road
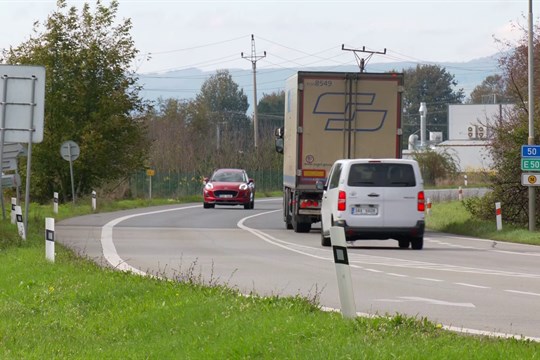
[460, 282]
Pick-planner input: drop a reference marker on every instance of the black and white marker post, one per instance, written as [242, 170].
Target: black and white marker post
[55, 203]
[13, 214]
[20, 222]
[343, 271]
[49, 239]
[94, 201]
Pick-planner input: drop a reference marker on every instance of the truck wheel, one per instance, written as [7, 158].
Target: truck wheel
[301, 227]
[325, 241]
[287, 210]
[417, 243]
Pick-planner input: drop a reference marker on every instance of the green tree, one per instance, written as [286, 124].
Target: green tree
[509, 135]
[436, 166]
[271, 112]
[224, 101]
[492, 90]
[91, 98]
[433, 85]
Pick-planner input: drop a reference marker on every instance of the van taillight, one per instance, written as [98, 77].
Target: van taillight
[342, 201]
[421, 201]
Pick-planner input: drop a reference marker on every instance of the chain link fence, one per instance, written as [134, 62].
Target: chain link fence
[173, 185]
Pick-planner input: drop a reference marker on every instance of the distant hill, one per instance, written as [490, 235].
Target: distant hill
[186, 84]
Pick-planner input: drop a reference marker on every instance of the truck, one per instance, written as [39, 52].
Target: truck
[331, 116]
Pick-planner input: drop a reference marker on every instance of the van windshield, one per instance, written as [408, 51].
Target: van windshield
[381, 175]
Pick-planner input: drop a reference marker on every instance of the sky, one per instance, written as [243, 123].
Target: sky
[210, 35]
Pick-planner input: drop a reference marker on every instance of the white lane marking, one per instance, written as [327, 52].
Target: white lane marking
[428, 301]
[472, 285]
[430, 279]
[522, 292]
[109, 250]
[397, 275]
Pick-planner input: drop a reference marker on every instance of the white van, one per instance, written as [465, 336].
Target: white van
[375, 199]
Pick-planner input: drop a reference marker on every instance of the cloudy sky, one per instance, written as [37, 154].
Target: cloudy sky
[212, 34]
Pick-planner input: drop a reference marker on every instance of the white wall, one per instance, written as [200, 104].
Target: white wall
[461, 117]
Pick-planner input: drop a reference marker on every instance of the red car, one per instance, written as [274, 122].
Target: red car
[229, 187]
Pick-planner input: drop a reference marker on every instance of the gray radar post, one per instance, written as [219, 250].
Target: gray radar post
[343, 271]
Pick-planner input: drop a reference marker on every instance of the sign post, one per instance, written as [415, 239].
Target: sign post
[70, 151]
[530, 161]
[22, 114]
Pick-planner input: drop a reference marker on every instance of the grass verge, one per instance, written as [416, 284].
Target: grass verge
[451, 217]
[73, 309]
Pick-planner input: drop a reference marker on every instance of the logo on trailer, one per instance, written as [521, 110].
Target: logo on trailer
[342, 117]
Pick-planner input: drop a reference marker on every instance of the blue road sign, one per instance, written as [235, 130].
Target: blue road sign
[530, 151]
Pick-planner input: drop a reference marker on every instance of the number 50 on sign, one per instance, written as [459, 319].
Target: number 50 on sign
[530, 179]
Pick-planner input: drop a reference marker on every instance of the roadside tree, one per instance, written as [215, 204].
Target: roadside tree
[91, 98]
[508, 135]
[436, 87]
[492, 90]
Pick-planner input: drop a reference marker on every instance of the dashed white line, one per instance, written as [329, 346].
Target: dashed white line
[473, 286]
[522, 292]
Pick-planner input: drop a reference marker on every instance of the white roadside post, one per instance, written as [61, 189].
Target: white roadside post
[460, 194]
[13, 214]
[465, 180]
[55, 203]
[341, 259]
[428, 206]
[93, 201]
[20, 223]
[49, 239]
[498, 215]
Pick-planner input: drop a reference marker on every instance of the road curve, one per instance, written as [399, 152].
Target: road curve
[463, 283]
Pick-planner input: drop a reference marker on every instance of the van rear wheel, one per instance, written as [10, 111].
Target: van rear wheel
[404, 243]
[417, 243]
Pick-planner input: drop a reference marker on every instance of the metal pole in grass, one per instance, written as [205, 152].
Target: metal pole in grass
[498, 215]
[49, 239]
[343, 271]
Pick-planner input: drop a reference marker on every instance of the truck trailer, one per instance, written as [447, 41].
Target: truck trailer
[331, 116]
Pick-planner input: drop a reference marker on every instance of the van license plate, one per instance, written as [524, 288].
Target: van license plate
[365, 210]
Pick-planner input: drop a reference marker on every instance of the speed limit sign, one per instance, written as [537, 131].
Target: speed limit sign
[529, 179]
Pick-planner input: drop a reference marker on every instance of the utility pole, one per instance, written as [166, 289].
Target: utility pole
[361, 61]
[254, 58]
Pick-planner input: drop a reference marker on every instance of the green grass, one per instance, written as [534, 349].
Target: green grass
[451, 217]
[73, 309]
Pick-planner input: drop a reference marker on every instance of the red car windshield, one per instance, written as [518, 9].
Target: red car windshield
[229, 177]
